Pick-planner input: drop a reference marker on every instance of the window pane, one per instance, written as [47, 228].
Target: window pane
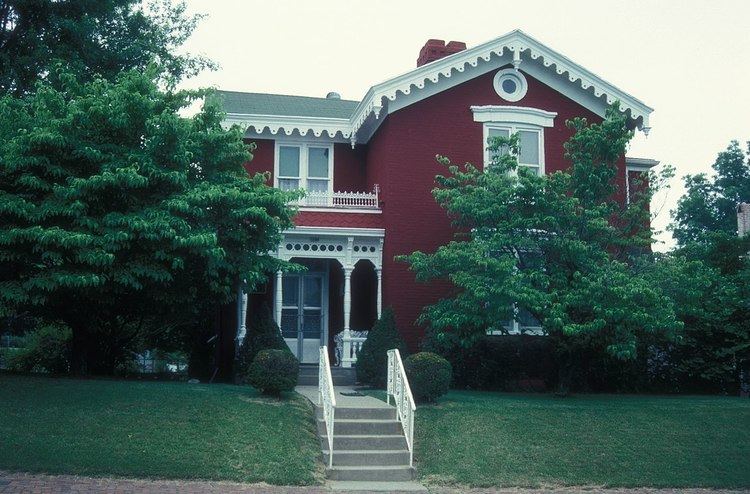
[288, 161]
[526, 320]
[313, 289]
[498, 133]
[529, 143]
[532, 169]
[288, 184]
[312, 323]
[289, 320]
[290, 290]
[317, 162]
[317, 185]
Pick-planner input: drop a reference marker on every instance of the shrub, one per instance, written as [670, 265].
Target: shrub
[372, 360]
[45, 349]
[506, 363]
[273, 371]
[262, 334]
[429, 375]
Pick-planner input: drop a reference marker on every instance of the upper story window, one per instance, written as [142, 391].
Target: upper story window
[304, 166]
[530, 145]
[528, 123]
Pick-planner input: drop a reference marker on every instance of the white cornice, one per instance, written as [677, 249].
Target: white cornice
[514, 114]
[288, 124]
[592, 91]
[639, 164]
[337, 231]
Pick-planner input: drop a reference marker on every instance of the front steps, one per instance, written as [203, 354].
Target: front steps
[342, 376]
[368, 443]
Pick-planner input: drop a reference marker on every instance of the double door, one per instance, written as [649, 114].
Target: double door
[303, 315]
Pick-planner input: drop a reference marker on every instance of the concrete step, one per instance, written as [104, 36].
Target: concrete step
[369, 443]
[366, 427]
[371, 474]
[348, 413]
[380, 458]
[308, 376]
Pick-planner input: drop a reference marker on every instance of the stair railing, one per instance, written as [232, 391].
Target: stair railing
[326, 398]
[398, 387]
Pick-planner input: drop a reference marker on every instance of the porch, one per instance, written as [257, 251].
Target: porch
[334, 301]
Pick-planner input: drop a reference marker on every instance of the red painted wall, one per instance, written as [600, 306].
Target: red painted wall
[401, 158]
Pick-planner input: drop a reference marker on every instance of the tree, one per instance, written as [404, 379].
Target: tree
[97, 38]
[118, 215]
[558, 246]
[716, 345]
[372, 359]
[709, 205]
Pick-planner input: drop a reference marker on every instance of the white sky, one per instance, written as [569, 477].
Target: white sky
[688, 59]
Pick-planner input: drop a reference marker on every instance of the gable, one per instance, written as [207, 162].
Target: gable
[515, 49]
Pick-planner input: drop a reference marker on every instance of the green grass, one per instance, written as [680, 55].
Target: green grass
[494, 439]
[155, 429]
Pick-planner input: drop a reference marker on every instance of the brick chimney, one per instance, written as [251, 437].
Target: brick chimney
[743, 219]
[435, 49]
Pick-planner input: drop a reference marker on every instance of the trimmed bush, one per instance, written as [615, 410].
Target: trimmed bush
[372, 360]
[262, 334]
[45, 349]
[429, 375]
[273, 371]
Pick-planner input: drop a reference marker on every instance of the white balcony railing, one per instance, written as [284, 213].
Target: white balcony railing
[343, 200]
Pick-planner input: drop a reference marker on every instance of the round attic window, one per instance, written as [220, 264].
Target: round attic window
[510, 84]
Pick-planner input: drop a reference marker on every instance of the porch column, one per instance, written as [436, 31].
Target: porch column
[347, 344]
[279, 295]
[241, 319]
[379, 272]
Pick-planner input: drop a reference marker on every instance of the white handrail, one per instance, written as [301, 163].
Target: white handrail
[326, 398]
[398, 387]
[345, 199]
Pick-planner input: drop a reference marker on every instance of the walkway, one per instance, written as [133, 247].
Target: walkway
[22, 483]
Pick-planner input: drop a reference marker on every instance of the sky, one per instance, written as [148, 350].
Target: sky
[687, 59]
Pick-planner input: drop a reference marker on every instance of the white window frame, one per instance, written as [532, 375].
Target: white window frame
[513, 129]
[303, 146]
[513, 118]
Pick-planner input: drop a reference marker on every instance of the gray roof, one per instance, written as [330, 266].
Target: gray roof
[281, 104]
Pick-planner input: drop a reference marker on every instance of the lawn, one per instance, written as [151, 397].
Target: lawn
[494, 439]
[155, 429]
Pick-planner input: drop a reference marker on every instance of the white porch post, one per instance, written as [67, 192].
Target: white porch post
[379, 272]
[347, 344]
[241, 317]
[278, 299]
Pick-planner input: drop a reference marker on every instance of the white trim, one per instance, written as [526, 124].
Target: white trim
[304, 147]
[339, 210]
[514, 114]
[522, 86]
[515, 47]
[336, 230]
[639, 164]
[288, 124]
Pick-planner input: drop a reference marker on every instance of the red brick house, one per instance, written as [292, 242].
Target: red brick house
[368, 168]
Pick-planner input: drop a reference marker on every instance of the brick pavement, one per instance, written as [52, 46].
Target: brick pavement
[25, 483]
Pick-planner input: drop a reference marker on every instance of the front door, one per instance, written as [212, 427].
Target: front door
[302, 314]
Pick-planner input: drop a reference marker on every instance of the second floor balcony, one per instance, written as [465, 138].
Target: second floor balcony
[341, 200]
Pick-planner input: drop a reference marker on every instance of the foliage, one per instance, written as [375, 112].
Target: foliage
[508, 362]
[709, 205]
[273, 371]
[45, 349]
[559, 246]
[162, 430]
[95, 37]
[709, 276]
[372, 359]
[429, 375]
[603, 440]
[123, 219]
[262, 334]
